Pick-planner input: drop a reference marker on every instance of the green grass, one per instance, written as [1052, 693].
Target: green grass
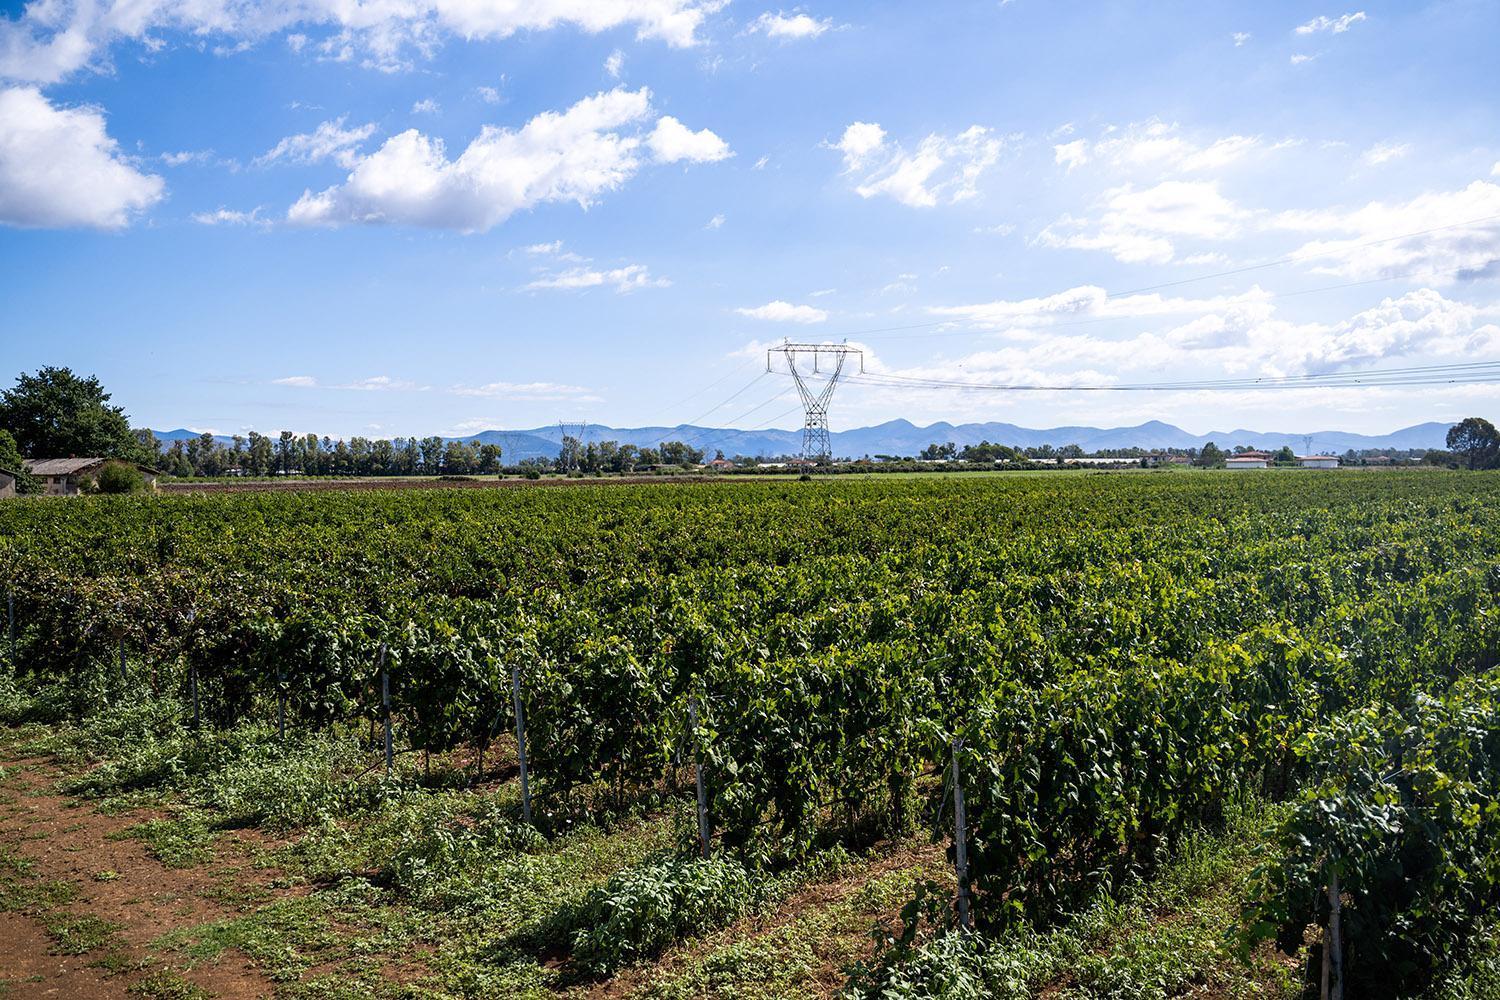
[78, 934]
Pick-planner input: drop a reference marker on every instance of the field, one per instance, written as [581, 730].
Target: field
[1178, 707]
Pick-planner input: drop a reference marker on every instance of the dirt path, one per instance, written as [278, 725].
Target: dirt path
[67, 843]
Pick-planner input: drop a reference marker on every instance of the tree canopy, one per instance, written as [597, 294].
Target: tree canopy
[56, 414]
[1475, 442]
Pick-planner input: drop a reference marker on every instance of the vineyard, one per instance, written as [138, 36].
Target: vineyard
[722, 699]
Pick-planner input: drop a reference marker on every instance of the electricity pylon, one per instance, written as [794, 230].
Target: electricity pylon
[816, 445]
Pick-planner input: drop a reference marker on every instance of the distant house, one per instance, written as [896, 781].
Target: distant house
[721, 463]
[1246, 462]
[7, 483]
[63, 476]
[1264, 456]
[1318, 461]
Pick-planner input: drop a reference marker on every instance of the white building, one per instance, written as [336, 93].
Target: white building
[1244, 462]
[1318, 461]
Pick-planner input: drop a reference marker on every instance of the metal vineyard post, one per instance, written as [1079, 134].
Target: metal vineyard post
[515, 690]
[698, 777]
[960, 844]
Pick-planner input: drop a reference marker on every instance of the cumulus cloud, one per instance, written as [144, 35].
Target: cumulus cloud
[1240, 38]
[1238, 336]
[615, 64]
[329, 141]
[621, 279]
[60, 168]
[859, 140]
[575, 155]
[940, 169]
[1140, 225]
[1456, 236]
[426, 106]
[790, 26]
[53, 39]
[785, 312]
[672, 141]
[1072, 154]
[1333, 25]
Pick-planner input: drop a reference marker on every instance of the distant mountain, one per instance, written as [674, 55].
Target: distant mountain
[902, 437]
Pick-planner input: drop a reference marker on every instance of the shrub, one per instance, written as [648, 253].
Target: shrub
[119, 477]
[641, 910]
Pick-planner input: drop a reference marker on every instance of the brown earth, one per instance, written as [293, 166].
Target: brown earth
[118, 881]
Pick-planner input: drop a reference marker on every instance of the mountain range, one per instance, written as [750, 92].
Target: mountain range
[902, 437]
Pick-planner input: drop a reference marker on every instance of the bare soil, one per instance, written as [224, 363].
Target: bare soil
[118, 881]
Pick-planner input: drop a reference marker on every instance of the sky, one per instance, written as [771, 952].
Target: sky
[395, 217]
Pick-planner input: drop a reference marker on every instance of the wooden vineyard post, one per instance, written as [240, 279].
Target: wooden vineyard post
[193, 683]
[960, 844]
[515, 691]
[698, 778]
[385, 704]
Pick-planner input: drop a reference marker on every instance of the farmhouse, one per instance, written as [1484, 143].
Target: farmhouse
[1318, 461]
[63, 476]
[1246, 461]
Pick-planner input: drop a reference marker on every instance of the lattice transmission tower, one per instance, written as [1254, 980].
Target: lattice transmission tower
[831, 359]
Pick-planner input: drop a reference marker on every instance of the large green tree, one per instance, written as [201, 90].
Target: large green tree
[56, 414]
[1475, 442]
[10, 461]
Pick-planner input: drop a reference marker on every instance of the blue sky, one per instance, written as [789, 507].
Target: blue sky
[438, 216]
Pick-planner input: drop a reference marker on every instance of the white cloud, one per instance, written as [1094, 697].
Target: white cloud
[60, 168]
[545, 248]
[1155, 144]
[521, 390]
[1090, 302]
[790, 26]
[940, 169]
[426, 106]
[52, 39]
[717, 222]
[575, 155]
[621, 279]
[784, 312]
[1495, 170]
[1237, 336]
[615, 64]
[329, 141]
[488, 95]
[1300, 58]
[1457, 235]
[1384, 152]
[1335, 25]
[1139, 226]
[375, 383]
[230, 217]
[672, 141]
[1071, 154]
[859, 140]
[760, 164]
[1240, 38]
